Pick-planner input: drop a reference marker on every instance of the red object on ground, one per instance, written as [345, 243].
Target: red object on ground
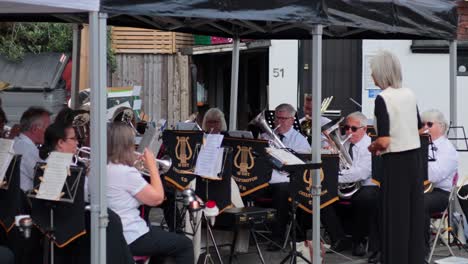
[210, 204]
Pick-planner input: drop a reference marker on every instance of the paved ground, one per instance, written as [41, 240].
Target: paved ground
[441, 252]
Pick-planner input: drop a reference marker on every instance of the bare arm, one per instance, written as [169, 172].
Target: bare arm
[153, 193]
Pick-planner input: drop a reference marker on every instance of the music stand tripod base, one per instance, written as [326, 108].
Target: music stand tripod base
[294, 172]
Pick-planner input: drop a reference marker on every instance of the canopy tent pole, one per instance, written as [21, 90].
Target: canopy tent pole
[97, 72]
[75, 83]
[234, 84]
[453, 83]
[316, 131]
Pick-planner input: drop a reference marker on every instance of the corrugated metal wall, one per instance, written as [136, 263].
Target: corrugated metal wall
[165, 82]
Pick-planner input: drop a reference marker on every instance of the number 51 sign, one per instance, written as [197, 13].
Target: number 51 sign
[283, 72]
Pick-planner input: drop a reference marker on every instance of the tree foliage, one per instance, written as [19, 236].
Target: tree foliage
[17, 39]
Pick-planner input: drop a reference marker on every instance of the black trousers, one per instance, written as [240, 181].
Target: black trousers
[434, 202]
[361, 214]
[158, 244]
[402, 208]
[279, 194]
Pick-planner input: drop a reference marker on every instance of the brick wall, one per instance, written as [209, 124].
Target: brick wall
[462, 20]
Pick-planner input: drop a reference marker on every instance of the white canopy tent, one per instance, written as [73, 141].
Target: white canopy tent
[217, 21]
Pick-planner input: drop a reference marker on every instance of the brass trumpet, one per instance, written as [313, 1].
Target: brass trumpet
[83, 155]
[164, 164]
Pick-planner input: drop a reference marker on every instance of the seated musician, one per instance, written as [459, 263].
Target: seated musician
[279, 182]
[308, 112]
[306, 121]
[127, 190]
[61, 136]
[364, 201]
[441, 171]
[33, 123]
[214, 122]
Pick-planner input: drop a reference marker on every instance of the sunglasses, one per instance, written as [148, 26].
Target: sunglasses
[353, 128]
[429, 124]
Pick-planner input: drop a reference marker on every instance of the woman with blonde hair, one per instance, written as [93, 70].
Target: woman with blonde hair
[214, 121]
[127, 190]
[397, 122]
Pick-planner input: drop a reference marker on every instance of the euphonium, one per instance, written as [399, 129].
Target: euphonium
[261, 122]
[345, 190]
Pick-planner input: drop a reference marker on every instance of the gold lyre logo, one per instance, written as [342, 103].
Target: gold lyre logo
[183, 151]
[307, 177]
[247, 161]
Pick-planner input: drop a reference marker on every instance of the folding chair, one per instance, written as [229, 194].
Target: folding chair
[445, 217]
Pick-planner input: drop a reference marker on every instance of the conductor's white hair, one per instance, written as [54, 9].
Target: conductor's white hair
[386, 70]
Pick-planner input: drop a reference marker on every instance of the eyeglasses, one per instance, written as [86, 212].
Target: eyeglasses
[429, 124]
[283, 118]
[72, 138]
[353, 128]
[213, 121]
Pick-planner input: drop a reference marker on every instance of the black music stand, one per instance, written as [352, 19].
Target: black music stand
[295, 172]
[182, 147]
[204, 193]
[11, 195]
[70, 204]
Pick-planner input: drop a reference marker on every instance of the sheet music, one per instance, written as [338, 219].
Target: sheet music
[213, 140]
[286, 157]
[6, 155]
[209, 162]
[55, 175]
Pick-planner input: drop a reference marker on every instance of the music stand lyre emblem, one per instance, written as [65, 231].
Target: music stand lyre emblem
[307, 177]
[246, 162]
[183, 152]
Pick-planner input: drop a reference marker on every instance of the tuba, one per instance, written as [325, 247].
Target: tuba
[345, 190]
[261, 122]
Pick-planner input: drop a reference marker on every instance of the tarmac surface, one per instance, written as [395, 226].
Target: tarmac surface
[441, 252]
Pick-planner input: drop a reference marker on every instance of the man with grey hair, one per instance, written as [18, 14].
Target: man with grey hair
[441, 171]
[279, 182]
[33, 124]
[364, 201]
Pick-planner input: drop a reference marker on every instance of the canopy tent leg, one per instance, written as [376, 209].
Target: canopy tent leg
[316, 144]
[97, 73]
[75, 83]
[453, 83]
[234, 84]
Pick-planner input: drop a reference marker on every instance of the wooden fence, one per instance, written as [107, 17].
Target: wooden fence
[138, 40]
[165, 82]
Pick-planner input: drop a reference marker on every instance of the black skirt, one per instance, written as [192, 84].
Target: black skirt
[403, 208]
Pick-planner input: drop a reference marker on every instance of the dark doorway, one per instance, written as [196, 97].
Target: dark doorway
[341, 73]
[214, 70]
